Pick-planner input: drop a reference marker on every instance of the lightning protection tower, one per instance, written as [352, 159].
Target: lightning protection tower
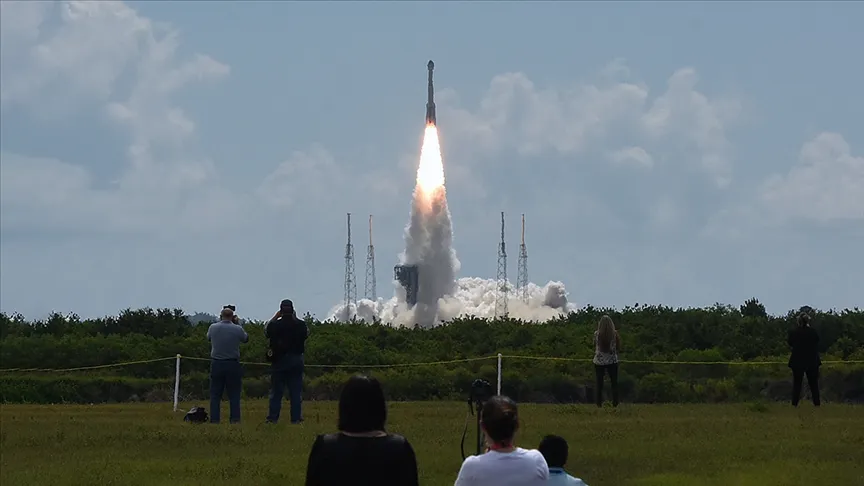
[522, 277]
[350, 279]
[370, 287]
[501, 294]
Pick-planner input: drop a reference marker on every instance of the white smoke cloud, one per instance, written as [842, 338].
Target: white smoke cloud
[428, 244]
[472, 296]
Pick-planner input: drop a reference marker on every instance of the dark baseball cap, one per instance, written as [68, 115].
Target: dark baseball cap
[286, 304]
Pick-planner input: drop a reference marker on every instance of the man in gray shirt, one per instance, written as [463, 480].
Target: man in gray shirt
[226, 374]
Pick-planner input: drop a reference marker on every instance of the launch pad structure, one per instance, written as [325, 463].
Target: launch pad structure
[522, 276]
[350, 284]
[408, 277]
[370, 287]
[501, 277]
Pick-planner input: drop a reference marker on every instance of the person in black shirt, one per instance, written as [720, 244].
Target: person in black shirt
[804, 359]
[362, 453]
[287, 342]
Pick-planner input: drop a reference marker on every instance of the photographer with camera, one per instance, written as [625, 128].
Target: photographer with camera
[504, 464]
[236, 318]
[226, 373]
[286, 336]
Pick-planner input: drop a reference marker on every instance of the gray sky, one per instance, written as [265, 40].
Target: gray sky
[192, 154]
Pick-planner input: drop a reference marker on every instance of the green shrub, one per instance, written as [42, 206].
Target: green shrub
[704, 339]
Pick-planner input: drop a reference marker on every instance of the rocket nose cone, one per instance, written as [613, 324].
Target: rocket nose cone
[431, 65]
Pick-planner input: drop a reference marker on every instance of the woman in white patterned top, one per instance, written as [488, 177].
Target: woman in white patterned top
[607, 341]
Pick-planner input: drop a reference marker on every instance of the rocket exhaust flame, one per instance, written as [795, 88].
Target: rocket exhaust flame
[430, 171]
[429, 236]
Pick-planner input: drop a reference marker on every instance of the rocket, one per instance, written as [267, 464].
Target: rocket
[430, 100]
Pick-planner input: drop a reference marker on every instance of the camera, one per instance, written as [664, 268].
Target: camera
[230, 306]
[481, 391]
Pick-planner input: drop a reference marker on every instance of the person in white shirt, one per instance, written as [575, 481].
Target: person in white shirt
[554, 450]
[503, 464]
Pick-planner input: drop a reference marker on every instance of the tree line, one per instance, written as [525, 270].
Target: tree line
[720, 333]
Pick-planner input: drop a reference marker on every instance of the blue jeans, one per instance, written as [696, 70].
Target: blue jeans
[286, 371]
[225, 375]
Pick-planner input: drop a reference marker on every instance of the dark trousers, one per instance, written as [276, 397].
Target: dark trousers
[225, 375]
[287, 371]
[812, 382]
[600, 371]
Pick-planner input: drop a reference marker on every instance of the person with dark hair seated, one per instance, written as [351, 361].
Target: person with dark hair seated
[362, 453]
[554, 450]
[504, 464]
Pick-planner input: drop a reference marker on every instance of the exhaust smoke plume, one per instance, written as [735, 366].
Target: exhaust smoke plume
[429, 235]
[429, 245]
[472, 297]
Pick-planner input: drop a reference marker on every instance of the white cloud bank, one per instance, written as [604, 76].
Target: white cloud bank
[826, 185]
[60, 58]
[515, 113]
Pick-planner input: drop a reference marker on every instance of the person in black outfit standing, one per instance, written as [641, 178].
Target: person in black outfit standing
[362, 453]
[287, 342]
[804, 341]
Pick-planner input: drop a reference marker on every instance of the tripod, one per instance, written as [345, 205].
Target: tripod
[472, 406]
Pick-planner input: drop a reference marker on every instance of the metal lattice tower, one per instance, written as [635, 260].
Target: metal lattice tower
[501, 294]
[522, 277]
[350, 279]
[370, 288]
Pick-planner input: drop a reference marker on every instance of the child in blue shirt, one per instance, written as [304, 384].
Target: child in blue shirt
[554, 450]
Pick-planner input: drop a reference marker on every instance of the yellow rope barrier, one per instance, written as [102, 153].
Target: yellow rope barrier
[80, 368]
[747, 363]
[429, 363]
[392, 365]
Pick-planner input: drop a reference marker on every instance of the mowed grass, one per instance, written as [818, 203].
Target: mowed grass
[644, 445]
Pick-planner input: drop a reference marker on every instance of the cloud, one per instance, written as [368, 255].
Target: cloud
[682, 111]
[826, 185]
[38, 193]
[103, 57]
[633, 156]
[298, 180]
[77, 54]
[515, 113]
[80, 52]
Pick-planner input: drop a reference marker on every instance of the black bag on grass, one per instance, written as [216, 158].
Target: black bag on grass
[196, 415]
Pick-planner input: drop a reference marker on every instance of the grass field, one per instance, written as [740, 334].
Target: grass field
[638, 445]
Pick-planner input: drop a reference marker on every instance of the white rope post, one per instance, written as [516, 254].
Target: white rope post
[499, 373]
[177, 383]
